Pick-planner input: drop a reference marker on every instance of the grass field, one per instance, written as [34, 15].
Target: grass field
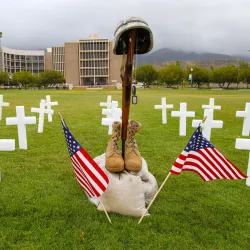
[43, 207]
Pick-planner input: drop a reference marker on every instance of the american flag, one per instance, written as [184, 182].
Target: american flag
[88, 174]
[201, 157]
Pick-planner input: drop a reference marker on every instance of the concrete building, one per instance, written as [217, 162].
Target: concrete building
[84, 62]
[14, 60]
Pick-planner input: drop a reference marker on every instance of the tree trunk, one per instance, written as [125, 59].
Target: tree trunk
[228, 85]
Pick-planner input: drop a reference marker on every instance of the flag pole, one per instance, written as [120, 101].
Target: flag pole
[61, 118]
[104, 209]
[154, 197]
[60, 115]
[204, 119]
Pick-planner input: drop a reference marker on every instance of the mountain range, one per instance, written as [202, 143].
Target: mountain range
[166, 55]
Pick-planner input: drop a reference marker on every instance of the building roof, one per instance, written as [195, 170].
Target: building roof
[23, 52]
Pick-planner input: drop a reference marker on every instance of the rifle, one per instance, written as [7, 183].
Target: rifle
[126, 87]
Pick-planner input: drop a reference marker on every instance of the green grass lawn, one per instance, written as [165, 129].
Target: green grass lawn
[43, 207]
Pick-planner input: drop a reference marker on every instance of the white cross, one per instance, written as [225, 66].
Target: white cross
[246, 123]
[7, 145]
[2, 104]
[109, 111]
[183, 114]
[48, 105]
[164, 108]
[108, 103]
[41, 111]
[20, 120]
[244, 144]
[208, 124]
[113, 114]
[211, 105]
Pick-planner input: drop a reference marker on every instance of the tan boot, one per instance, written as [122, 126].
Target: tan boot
[113, 158]
[133, 160]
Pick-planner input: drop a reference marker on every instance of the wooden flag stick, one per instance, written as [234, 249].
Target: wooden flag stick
[104, 209]
[60, 115]
[154, 197]
[204, 119]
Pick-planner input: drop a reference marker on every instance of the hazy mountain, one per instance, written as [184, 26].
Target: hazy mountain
[165, 55]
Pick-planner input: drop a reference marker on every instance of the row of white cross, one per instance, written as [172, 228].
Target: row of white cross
[183, 114]
[21, 121]
[209, 124]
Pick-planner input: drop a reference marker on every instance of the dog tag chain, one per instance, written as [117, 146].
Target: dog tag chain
[134, 96]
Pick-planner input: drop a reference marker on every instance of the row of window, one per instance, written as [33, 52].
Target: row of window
[92, 80]
[58, 50]
[99, 63]
[12, 71]
[92, 72]
[58, 58]
[94, 55]
[23, 57]
[58, 66]
[94, 46]
[18, 64]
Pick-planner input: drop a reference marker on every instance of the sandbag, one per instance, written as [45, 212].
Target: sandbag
[150, 188]
[127, 193]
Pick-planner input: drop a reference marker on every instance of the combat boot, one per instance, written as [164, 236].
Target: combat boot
[113, 158]
[133, 161]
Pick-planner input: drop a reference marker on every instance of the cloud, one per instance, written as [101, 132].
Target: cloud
[219, 26]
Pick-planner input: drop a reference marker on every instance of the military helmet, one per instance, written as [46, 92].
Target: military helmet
[144, 36]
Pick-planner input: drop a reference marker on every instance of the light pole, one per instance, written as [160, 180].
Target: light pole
[191, 77]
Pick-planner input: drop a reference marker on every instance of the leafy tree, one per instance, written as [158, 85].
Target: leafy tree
[146, 74]
[4, 77]
[243, 65]
[23, 77]
[171, 75]
[200, 75]
[51, 77]
[225, 75]
[244, 76]
[36, 81]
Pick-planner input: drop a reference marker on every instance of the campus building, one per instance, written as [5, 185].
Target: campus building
[14, 60]
[84, 62]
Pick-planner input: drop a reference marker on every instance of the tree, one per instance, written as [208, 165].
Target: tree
[199, 75]
[243, 65]
[51, 77]
[225, 75]
[4, 77]
[171, 75]
[146, 74]
[244, 76]
[36, 81]
[23, 77]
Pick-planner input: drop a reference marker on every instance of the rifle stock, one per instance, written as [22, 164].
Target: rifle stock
[126, 87]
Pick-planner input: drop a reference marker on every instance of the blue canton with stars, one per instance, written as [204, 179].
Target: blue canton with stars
[73, 145]
[197, 141]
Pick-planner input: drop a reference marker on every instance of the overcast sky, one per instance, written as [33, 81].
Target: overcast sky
[220, 26]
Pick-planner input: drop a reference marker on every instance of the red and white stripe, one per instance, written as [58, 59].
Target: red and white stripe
[208, 163]
[89, 175]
